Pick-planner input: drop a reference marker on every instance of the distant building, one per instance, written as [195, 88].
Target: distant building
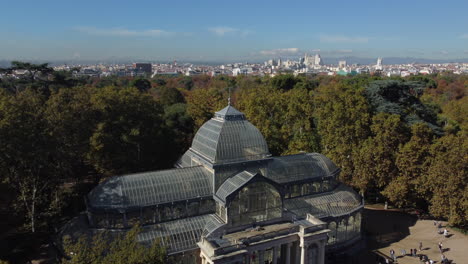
[342, 64]
[143, 67]
[378, 66]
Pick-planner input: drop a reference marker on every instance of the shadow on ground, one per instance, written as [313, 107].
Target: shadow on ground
[383, 227]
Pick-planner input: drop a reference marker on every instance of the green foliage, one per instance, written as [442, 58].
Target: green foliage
[202, 103]
[407, 189]
[401, 98]
[28, 161]
[168, 96]
[374, 161]
[181, 123]
[141, 84]
[103, 248]
[283, 82]
[343, 121]
[447, 178]
[130, 134]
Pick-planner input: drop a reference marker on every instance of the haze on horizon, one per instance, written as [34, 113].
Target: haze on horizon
[217, 31]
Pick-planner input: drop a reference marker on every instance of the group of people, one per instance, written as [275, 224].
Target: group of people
[438, 225]
[423, 258]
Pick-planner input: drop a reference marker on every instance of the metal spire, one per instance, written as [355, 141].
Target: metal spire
[229, 97]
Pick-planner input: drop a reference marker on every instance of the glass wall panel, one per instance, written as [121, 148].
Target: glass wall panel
[306, 189]
[193, 208]
[100, 220]
[256, 202]
[133, 218]
[341, 231]
[148, 216]
[357, 222]
[179, 210]
[166, 213]
[327, 186]
[351, 227]
[316, 187]
[207, 206]
[295, 190]
[332, 234]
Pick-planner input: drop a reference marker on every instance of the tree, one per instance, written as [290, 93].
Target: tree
[130, 134]
[298, 128]
[401, 98]
[102, 248]
[343, 120]
[28, 161]
[407, 189]
[32, 69]
[264, 107]
[72, 119]
[374, 161]
[169, 96]
[283, 82]
[181, 124]
[447, 179]
[202, 103]
[141, 84]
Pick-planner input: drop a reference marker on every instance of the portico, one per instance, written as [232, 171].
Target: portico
[297, 242]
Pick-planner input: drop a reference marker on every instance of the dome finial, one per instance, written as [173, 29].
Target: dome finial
[229, 97]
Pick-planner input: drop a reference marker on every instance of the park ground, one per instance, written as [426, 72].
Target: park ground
[397, 230]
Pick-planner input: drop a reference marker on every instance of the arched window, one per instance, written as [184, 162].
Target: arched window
[256, 202]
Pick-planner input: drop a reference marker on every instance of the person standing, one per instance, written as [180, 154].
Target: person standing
[440, 247]
[420, 246]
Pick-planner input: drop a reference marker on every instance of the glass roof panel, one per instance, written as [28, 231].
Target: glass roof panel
[151, 188]
[176, 236]
[343, 200]
[300, 167]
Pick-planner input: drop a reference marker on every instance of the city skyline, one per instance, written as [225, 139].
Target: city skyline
[246, 31]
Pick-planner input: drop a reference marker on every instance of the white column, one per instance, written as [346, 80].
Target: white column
[288, 253]
[303, 254]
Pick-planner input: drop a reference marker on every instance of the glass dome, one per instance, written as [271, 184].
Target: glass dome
[228, 137]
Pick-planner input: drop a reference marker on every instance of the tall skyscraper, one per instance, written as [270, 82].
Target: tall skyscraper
[318, 60]
[378, 66]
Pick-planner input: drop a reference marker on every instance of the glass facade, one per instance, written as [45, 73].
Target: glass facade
[256, 202]
[344, 229]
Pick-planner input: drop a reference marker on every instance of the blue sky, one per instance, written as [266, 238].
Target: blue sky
[231, 30]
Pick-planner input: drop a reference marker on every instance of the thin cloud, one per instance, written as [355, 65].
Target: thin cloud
[343, 51]
[343, 39]
[444, 52]
[123, 32]
[464, 36]
[280, 52]
[221, 31]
